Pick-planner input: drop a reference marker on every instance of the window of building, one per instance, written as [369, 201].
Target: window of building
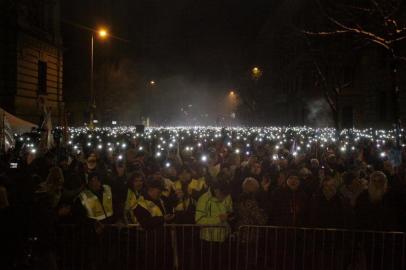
[42, 78]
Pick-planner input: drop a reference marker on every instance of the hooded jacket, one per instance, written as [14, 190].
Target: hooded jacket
[208, 210]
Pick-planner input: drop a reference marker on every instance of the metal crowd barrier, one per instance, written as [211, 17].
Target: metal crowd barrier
[269, 247]
[181, 247]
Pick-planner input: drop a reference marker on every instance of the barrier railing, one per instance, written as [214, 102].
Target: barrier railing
[215, 247]
[268, 247]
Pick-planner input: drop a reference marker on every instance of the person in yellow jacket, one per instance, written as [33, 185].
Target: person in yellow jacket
[96, 203]
[215, 208]
[95, 210]
[187, 192]
[135, 183]
[151, 212]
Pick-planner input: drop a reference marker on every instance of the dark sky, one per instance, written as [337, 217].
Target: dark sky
[196, 34]
[187, 46]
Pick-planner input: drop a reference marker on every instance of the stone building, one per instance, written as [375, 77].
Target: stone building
[31, 65]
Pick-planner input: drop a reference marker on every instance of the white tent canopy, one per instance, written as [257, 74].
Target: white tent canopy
[17, 125]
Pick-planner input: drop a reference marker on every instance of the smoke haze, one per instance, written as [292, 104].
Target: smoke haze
[319, 113]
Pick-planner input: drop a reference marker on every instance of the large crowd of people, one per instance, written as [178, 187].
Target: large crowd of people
[231, 177]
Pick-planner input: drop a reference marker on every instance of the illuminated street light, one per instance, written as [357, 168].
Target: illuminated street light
[102, 33]
[152, 82]
[256, 73]
[232, 103]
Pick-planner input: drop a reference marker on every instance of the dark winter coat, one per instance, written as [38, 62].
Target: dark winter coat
[380, 216]
[325, 213]
[288, 208]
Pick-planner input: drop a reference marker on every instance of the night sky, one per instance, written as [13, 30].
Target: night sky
[196, 51]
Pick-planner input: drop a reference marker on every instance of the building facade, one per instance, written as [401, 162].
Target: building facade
[31, 67]
[308, 71]
[369, 99]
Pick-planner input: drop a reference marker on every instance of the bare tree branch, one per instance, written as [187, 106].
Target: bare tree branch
[326, 33]
[398, 39]
[371, 36]
[364, 9]
[357, 30]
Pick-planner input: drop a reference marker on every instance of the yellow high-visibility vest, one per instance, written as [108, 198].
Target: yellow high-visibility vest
[184, 204]
[152, 208]
[130, 204]
[95, 209]
[169, 187]
[194, 185]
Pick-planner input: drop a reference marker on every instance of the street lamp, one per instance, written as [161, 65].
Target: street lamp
[102, 33]
[232, 103]
[233, 98]
[256, 73]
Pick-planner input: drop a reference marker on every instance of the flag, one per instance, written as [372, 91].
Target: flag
[7, 137]
[293, 147]
[47, 140]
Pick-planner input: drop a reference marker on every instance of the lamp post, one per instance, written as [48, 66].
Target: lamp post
[256, 94]
[102, 34]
